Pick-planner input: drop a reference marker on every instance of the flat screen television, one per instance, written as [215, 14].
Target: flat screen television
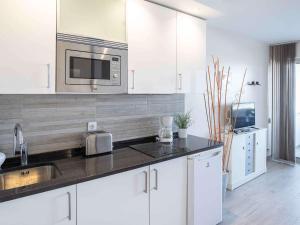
[244, 114]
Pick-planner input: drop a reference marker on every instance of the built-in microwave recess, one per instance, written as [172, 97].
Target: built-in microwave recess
[86, 65]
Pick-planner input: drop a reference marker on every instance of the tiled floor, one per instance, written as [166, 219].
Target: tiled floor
[271, 199]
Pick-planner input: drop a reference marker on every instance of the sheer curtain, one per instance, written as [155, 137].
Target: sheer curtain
[282, 72]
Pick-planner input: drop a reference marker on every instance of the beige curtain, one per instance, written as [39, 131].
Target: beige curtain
[282, 71]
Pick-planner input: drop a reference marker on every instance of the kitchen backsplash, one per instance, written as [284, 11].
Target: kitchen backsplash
[55, 122]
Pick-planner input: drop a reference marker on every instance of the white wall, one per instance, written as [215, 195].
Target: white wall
[297, 125]
[238, 52]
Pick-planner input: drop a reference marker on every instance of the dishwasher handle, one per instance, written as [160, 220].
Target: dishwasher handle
[205, 157]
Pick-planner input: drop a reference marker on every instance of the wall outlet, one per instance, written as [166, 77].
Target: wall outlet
[92, 126]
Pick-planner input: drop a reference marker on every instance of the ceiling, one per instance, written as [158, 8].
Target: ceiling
[271, 21]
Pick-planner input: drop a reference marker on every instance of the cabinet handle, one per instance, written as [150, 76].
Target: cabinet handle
[49, 74]
[70, 206]
[180, 81]
[146, 182]
[156, 179]
[133, 74]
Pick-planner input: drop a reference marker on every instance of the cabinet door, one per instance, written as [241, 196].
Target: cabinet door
[115, 200]
[237, 158]
[27, 43]
[151, 48]
[56, 207]
[103, 19]
[191, 53]
[168, 196]
[261, 150]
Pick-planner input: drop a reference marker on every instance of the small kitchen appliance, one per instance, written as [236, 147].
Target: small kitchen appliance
[166, 131]
[89, 65]
[97, 142]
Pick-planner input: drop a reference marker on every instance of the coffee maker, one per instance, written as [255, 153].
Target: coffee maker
[166, 131]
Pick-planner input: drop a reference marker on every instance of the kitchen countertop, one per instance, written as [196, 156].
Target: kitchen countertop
[77, 168]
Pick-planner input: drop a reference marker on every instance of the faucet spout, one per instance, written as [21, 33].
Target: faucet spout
[20, 146]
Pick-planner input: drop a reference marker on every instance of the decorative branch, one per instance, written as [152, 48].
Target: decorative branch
[231, 132]
[213, 98]
[209, 112]
[212, 105]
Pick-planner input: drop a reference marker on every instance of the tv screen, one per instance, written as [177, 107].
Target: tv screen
[243, 115]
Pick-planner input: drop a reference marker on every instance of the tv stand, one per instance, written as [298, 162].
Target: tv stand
[248, 156]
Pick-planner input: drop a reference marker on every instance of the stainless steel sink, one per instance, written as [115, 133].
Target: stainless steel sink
[24, 176]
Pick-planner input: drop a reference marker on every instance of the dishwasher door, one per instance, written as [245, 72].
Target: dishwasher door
[205, 188]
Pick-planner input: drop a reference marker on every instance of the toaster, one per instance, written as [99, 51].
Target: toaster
[98, 142]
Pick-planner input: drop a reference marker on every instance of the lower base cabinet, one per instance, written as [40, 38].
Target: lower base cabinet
[168, 196]
[115, 200]
[152, 195]
[57, 207]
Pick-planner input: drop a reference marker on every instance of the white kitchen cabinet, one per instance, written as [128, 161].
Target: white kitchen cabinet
[118, 199]
[57, 207]
[168, 195]
[238, 168]
[151, 31]
[191, 53]
[27, 43]
[103, 19]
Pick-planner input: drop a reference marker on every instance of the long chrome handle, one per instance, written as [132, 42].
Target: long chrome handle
[180, 81]
[146, 182]
[70, 206]
[133, 74]
[199, 157]
[49, 74]
[156, 179]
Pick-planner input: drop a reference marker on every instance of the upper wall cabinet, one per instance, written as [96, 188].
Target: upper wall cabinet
[27, 43]
[191, 53]
[151, 48]
[167, 49]
[103, 19]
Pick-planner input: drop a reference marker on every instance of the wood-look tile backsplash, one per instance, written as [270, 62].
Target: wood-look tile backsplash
[55, 122]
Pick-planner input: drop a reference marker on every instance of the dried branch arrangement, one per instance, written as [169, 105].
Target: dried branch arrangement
[215, 97]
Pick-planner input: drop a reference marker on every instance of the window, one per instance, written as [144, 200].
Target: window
[298, 88]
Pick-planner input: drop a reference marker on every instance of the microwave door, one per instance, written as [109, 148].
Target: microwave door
[83, 68]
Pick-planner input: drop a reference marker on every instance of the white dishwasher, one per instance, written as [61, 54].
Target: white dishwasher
[205, 187]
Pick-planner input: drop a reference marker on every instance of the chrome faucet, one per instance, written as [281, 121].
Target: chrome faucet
[20, 146]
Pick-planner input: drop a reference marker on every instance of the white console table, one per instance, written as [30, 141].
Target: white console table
[248, 157]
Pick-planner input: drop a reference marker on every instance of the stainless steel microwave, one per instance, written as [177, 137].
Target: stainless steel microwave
[87, 65]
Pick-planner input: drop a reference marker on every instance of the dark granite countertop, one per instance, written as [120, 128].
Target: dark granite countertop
[76, 168]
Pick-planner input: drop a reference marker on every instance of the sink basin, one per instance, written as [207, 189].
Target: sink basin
[24, 176]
